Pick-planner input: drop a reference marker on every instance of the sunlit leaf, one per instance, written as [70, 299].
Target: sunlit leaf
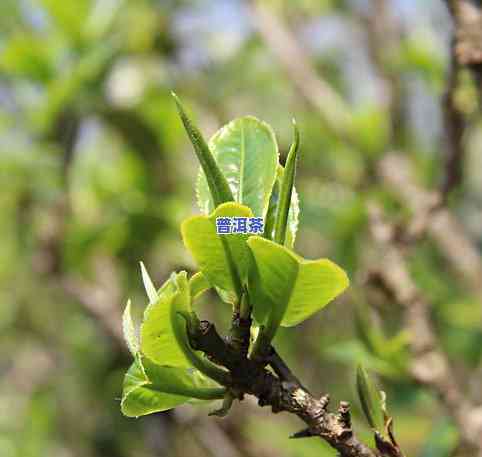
[247, 154]
[158, 342]
[164, 338]
[148, 285]
[286, 191]
[218, 255]
[180, 314]
[285, 288]
[129, 330]
[139, 398]
[198, 284]
[293, 215]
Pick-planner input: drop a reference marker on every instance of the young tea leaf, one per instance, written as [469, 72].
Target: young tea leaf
[295, 287]
[293, 214]
[158, 342]
[180, 381]
[150, 388]
[129, 330]
[272, 208]
[247, 154]
[286, 289]
[181, 307]
[286, 190]
[216, 181]
[138, 397]
[164, 338]
[148, 285]
[370, 400]
[198, 284]
[223, 259]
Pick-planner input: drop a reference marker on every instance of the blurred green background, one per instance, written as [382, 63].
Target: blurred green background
[96, 174]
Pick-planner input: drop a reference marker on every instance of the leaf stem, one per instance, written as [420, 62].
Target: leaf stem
[240, 330]
[245, 306]
[201, 363]
[233, 269]
[267, 332]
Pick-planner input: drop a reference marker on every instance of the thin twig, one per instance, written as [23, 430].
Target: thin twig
[383, 33]
[316, 91]
[466, 52]
[454, 126]
[429, 217]
[251, 377]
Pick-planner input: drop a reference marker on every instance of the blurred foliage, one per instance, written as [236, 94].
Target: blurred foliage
[96, 174]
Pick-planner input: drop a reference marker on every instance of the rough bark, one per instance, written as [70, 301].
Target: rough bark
[281, 390]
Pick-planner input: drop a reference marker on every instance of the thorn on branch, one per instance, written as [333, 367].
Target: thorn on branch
[305, 433]
[240, 333]
[226, 406]
[281, 369]
[324, 401]
[386, 447]
[280, 390]
[344, 416]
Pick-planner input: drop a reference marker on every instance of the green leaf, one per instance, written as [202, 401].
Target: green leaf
[285, 288]
[270, 218]
[150, 388]
[148, 285]
[370, 400]
[139, 398]
[247, 154]
[164, 338]
[223, 259]
[286, 190]
[187, 382]
[216, 182]
[129, 330]
[293, 214]
[198, 284]
[180, 311]
[158, 342]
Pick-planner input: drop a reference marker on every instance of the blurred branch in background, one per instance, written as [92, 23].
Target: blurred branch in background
[384, 35]
[454, 124]
[430, 365]
[429, 217]
[467, 16]
[466, 52]
[316, 91]
[100, 298]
